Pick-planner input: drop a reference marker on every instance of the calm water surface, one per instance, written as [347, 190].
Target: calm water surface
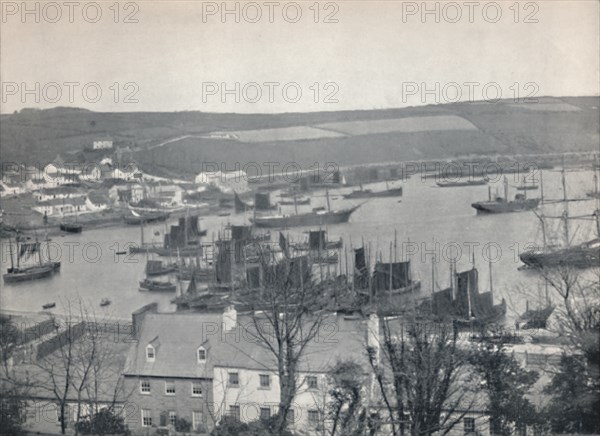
[426, 216]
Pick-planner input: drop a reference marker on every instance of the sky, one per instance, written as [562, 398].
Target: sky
[271, 57]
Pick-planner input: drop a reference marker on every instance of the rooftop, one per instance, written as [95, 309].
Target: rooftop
[181, 334]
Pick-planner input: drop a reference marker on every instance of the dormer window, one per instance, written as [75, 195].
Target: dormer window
[150, 353]
[201, 355]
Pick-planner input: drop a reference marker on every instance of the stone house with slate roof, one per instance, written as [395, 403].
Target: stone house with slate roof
[203, 366]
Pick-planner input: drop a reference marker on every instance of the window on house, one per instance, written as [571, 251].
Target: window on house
[311, 382]
[234, 379]
[313, 417]
[170, 387]
[145, 386]
[201, 354]
[196, 389]
[196, 419]
[150, 355]
[265, 413]
[234, 411]
[172, 417]
[469, 424]
[146, 418]
[521, 429]
[265, 381]
[291, 416]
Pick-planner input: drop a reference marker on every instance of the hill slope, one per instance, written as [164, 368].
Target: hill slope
[549, 126]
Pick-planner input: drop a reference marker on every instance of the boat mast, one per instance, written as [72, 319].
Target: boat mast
[542, 186]
[18, 256]
[391, 270]
[12, 265]
[38, 247]
[469, 295]
[505, 188]
[328, 203]
[565, 215]
[491, 277]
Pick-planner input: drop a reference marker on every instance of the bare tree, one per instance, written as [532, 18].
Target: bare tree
[286, 317]
[419, 377]
[75, 365]
[577, 314]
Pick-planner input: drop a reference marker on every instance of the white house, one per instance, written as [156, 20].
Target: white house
[227, 181]
[59, 192]
[61, 207]
[102, 144]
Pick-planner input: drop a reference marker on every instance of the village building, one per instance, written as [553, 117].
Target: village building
[102, 144]
[227, 181]
[61, 206]
[59, 192]
[169, 369]
[223, 369]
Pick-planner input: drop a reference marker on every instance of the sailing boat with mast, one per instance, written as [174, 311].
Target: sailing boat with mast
[23, 251]
[583, 255]
[463, 303]
[317, 217]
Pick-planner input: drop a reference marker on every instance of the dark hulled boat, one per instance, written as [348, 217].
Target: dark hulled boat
[314, 218]
[368, 193]
[71, 227]
[20, 273]
[157, 286]
[584, 255]
[182, 239]
[158, 268]
[460, 183]
[464, 304]
[27, 274]
[150, 217]
[502, 205]
[535, 318]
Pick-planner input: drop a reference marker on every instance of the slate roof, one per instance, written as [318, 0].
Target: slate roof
[180, 335]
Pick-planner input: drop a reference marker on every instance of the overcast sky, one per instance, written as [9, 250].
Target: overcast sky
[377, 54]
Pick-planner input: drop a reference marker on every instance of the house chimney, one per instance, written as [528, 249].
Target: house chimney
[373, 335]
[229, 318]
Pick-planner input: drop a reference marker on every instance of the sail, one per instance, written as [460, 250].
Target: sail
[223, 265]
[192, 286]
[442, 304]
[316, 239]
[262, 201]
[361, 275]
[466, 292]
[178, 237]
[400, 278]
[253, 277]
[283, 244]
[240, 206]
[28, 249]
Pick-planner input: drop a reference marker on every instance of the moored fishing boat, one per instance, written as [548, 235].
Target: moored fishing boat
[71, 227]
[459, 183]
[19, 272]
[157, 286]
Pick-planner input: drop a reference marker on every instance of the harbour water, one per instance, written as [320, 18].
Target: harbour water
[425, 219]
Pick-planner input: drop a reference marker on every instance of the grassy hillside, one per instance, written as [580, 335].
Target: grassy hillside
[552, 125]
